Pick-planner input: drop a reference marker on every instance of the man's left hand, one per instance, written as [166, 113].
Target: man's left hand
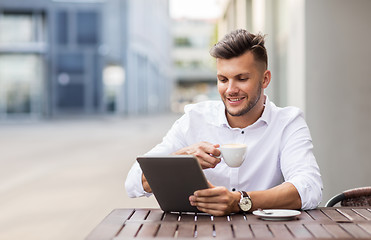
[217, 201]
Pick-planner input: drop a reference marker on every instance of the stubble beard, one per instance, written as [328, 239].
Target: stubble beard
[249, 105]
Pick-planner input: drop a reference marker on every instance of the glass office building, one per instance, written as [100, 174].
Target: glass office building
[84, 57]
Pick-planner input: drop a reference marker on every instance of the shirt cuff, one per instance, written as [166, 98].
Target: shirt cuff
[310, 194]
[133, 183]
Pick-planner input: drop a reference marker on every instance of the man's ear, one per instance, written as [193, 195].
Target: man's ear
[266, 78]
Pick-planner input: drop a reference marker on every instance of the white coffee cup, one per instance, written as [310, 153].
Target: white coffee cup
[233, 154]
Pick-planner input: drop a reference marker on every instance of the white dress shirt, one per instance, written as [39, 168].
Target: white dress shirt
[279, 150]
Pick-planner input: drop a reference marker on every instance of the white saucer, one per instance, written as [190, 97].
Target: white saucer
[277, 214]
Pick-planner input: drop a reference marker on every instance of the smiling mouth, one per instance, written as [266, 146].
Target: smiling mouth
[235, 99]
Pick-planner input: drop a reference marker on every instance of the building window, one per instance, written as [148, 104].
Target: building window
[16, 28]
[71, 63]
[182, 42]
[62, 26]
[113, 79]
[22, 45]
[87, 25]
[20, 85]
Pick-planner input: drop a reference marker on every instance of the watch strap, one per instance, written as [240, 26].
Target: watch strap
[244, 194]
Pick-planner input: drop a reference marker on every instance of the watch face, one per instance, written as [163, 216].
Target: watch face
[245, 204]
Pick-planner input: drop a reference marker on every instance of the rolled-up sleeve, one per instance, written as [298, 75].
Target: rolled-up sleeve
[298, 164]
[170, 144]
[133, 183]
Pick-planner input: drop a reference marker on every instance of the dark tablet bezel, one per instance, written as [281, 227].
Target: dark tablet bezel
[173, 179]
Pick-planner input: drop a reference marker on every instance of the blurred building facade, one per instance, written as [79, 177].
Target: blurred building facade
[194, 68]
[84, 57]
[319, 57]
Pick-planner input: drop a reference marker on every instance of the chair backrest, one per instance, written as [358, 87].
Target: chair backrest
[352, 197]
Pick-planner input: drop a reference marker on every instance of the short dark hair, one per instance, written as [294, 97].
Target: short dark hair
[237, 43]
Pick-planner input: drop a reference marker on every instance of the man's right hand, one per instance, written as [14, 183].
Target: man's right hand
[206, 153]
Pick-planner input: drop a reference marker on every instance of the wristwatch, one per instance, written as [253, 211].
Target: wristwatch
[245, 203]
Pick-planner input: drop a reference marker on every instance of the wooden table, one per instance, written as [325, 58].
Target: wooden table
[321, 223]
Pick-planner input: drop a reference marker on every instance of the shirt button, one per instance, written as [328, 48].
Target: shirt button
[242, 132]
[233, 189]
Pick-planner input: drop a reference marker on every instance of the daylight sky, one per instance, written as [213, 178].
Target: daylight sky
[198, 9]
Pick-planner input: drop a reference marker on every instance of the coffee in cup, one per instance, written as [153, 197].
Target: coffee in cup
[233, 154]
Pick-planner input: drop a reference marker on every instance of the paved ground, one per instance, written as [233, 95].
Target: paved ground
[59, 179]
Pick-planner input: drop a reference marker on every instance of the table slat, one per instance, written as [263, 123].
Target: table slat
[351, 215]
[237, 217]
[139, 214]
[305, 216]
[155, 215]
[187, 218]
[204, 230]
[261, 231]
[129, 230]
[221, 219]
[170, 217]
[280, 231]
[242, 229]
[336, 231]
[366, 227]
[335, 215]
[317, 214]
[148, 230]
[186, 230]
[110, 225]
[364, 213]
[223, 230]
[318, 231]
[299, 231]
[203, 218]
[167, 230]
[355, 230]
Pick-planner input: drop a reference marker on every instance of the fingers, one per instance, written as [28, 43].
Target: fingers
[205, 152]
[213, 150]
[145, 184]
[208, 155]
[214, 212]
[212, 192]
[209, 197]
[207, 161]
[211, 206]
[216, 200]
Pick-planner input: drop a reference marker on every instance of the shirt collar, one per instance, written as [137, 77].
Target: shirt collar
[267, 112]
[265, 117]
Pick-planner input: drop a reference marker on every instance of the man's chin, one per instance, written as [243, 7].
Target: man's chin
[236, 113]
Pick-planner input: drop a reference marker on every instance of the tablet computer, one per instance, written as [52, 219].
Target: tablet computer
[173, 179]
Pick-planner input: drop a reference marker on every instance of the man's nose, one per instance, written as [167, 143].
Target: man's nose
[232, 87]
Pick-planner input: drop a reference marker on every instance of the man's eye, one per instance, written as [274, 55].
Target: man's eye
[244, 79]
[223, 80]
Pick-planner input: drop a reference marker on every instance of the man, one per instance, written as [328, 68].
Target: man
[279, 171]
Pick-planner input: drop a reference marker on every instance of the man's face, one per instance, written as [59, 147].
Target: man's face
[240, 83]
